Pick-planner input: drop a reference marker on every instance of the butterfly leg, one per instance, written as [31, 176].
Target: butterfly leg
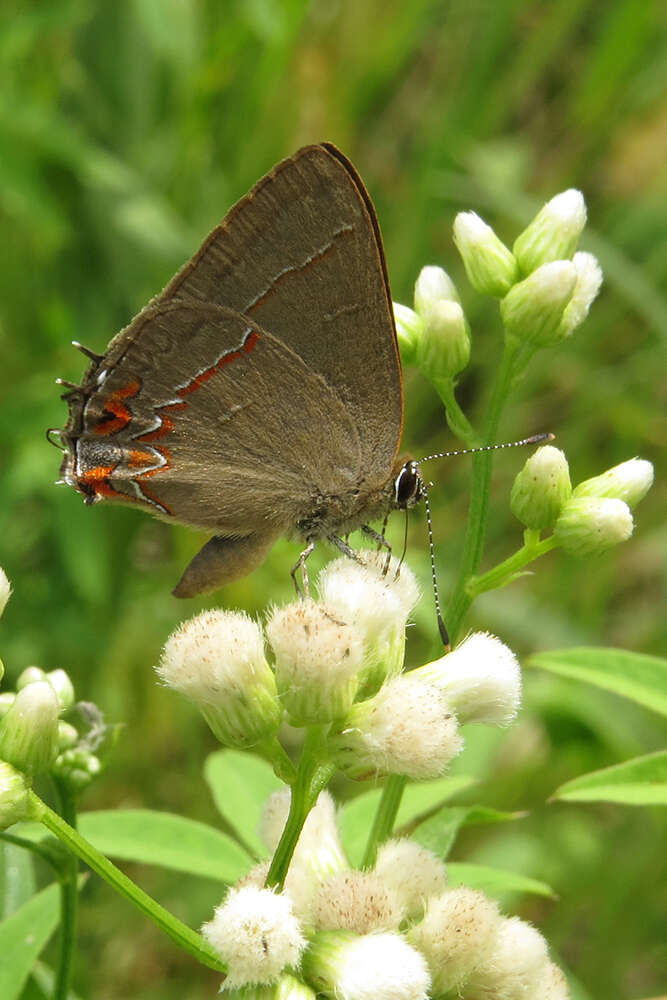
[302, 591]
[381, 541]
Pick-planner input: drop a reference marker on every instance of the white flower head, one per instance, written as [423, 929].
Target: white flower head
[29, 729]
[413, 873]
[356, 901]
[533, 309]
[457, 936]
[630, 481]
[433, 285]
[515, 966]
[256, 935]
[406, 728]
[481, 680]
[586, 288]
[590, 525]
[379, 966]
[541, 488]
[318, 659]
[217, 660]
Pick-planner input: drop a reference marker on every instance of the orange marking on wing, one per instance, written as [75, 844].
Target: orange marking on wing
[227, 359]
[166, 425]
[116, 415]
[97, 481]
[138, 458]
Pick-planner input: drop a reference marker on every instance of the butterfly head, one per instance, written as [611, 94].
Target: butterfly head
[408, 485]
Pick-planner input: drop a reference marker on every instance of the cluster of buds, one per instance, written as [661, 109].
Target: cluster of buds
[337, 663]
[544, 285]
[35, 739]
[588, 519]
[396, 931]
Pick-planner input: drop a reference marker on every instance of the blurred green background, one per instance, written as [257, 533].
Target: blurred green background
[127, 129]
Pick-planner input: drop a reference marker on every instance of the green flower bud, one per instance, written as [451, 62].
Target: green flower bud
[588, 525]
[5, 590]
[630, 481]
[14, 796]
[7, 699]
[554, 232]
[77, 767]
[62, 685]
[377, 966]
[433, 285]
[541, 488]
[533, 309]
[68, 736]
[29, 730]
[29, 676]
[587, 286]
[444, 348]
[489, 264]
[409, 329]
[2, 670]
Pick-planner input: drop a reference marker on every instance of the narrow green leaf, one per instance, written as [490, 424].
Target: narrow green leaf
[439, 831]
[240, 784]
[22, 937]
[356, 816]
[633, 675]
[161, 838]
[638, 782]
[495, 881]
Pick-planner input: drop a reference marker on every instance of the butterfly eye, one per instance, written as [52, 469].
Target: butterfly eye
[408, 485]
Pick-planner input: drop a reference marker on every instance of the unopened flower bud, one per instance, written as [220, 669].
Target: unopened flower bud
[514, 967]
[256, 935]
[409, 328]
[318, 659]
[587, 286]
[630, 481]
[290, 988]
[378, 603]
[29, 730]
[433, 285]
[541, 488]
[380, 966]
[14, 796]
[217, 660]
[489, 264]
[533, 309]
[444, 347]
[554, 232]
[5, 590]
[589, 525]
[68, 736]
[480, 679]
[29, 676]
[7, 699]
[406, 728]
[457, 935]
[62, 685]
[413, 873]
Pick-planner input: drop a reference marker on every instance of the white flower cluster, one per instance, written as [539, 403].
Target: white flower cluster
[337, 663]
[396, 932]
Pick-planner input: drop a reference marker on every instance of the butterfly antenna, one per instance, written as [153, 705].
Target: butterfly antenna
[442, 628]
[535, 439]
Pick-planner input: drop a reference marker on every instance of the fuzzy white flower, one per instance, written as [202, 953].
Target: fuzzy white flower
[554, 232]
[318, 659]
[380, 966]
[256, 935]
[356, 901]
[433, 285]
[406, 728]
[412, 872]
[217, 659]
[481, 680]
[630, 481]
[457, 936]
[590, 525]
[586, 288]
[533, 309]
[515, 966]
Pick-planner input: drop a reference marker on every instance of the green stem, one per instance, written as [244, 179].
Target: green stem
[179, 932]
[313, 774]
[274, 752]
[69, 900]
[457, 421]
[385, 817]
[504, 571]
[479, 493]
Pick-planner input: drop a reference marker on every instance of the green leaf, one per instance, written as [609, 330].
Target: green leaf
[161, 838]
[240, 784]
[638, 782]
[356, 816]
[633, 675]
[494, 881]
[22, 937]
[439, 831]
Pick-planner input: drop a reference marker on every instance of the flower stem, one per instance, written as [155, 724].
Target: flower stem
[179, 932]
[479, 493]
[385, 817]
[69, 900]
[505, 571]
[457, 421]
[313, 774]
